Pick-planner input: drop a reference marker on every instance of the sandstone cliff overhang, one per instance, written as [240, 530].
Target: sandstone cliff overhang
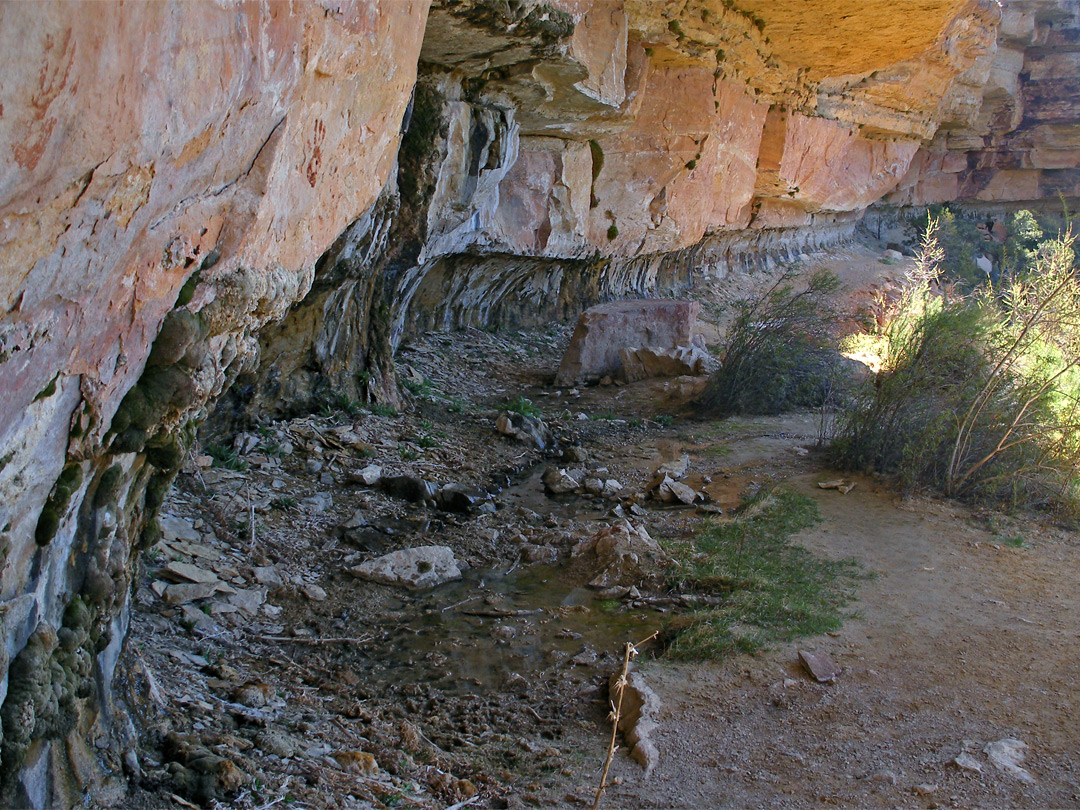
[178, 179]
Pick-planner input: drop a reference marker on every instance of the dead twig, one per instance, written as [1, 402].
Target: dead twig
[251, 518]
[629, 651]
[305, 640]
[501, 613]
[463, 602]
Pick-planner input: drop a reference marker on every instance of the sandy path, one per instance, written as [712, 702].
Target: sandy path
[958, 637]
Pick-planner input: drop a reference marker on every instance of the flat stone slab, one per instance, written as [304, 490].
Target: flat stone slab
[415, 568]
[821, 668]
[186, 572]
[603, 331]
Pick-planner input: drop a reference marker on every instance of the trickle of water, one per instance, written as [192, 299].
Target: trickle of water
[474, 635]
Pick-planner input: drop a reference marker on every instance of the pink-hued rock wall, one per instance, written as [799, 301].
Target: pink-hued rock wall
[1023, 145]
[176, 164]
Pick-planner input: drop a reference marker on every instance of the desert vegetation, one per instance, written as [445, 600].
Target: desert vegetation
[978, 390]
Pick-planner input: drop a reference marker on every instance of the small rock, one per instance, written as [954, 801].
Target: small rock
[821, 668]
[672, 491]
[277, 743]
[313, 592]
[558, 482]
[358, 520]
[248, 600]
[532, 553]
[176, 528]
[416, 568]
[1007, 755]
[639, 718]
[625, 555]
[674, 469]
[925, 789]
[459, 498]
[408, 488]
[525, 429]
[617, 592]
[369, 476]
[185, 572]
[885, 777]
[179, 594]
[318, 503]
[356, 762]
[967, 762]
[585, 657]
[267, 575]
[254, 695]
[576, 454]
[190, 549]
[198, 619]
[611, 489]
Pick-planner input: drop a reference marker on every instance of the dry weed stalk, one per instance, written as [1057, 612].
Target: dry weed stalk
[629, 651]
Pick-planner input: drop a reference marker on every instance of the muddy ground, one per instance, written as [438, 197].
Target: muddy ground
[310, 687]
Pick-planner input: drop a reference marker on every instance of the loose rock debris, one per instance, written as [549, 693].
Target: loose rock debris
[307, 661]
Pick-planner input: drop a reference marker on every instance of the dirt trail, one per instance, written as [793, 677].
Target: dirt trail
[959, 637]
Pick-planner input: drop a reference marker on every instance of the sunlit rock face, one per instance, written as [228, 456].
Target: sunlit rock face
[277, 193]
[1023, 144]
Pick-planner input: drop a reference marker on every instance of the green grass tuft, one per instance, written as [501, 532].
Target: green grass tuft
[523, 406]
[226, 457]
[772, 589]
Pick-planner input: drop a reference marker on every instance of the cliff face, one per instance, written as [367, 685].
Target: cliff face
[171, 174]
[1023, 146]
[277, 192]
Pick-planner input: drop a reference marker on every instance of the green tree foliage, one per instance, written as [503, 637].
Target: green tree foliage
[979, 393]
[777, 353]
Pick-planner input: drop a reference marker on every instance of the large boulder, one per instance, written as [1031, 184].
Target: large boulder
[640, 364]
[603, 331]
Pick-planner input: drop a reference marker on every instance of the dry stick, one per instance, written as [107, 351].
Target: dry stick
[616, 714]
[304, 640]
[251, 519]
[463, 602]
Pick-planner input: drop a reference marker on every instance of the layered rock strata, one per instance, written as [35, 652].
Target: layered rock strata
[277, 193]
[1023, 146]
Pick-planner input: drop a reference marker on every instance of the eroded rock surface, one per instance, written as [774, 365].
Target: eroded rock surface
[604, 331]
[415, 568]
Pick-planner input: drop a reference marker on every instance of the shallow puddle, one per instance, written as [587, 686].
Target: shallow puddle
[486, 630]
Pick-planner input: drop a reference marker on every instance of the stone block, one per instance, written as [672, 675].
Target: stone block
[604, 330]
